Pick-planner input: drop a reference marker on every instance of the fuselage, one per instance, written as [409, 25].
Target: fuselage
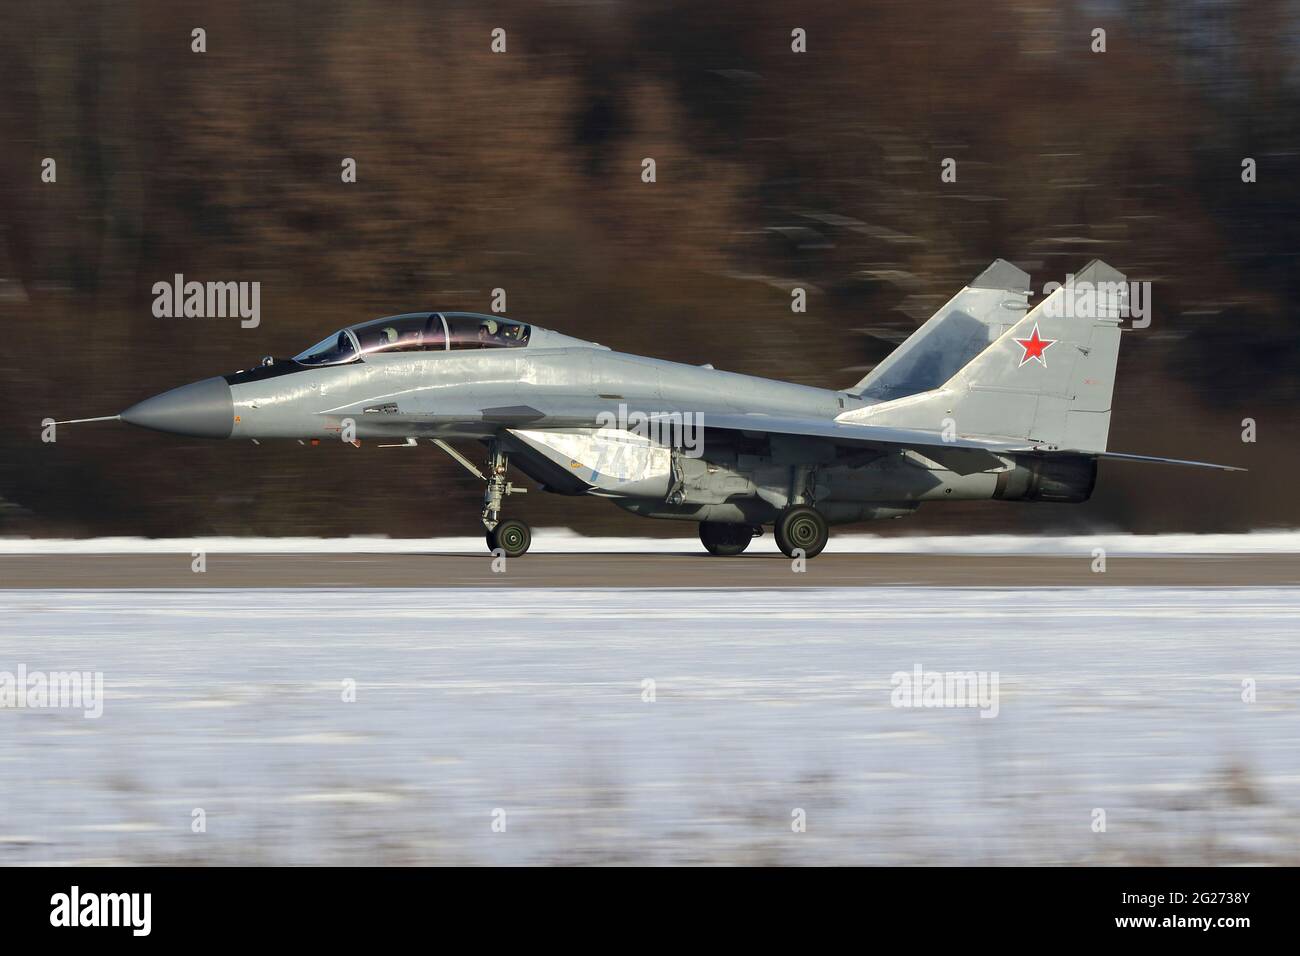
[553, 382]
[970, 407]
[537, 395]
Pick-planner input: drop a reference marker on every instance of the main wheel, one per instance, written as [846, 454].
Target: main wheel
[725, 540]
[801, 527]
[512, 537]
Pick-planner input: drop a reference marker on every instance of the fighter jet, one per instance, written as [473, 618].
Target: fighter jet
[988, 399]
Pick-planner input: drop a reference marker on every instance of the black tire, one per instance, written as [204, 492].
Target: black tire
[512, 537]
[725, 540]
[801, 527]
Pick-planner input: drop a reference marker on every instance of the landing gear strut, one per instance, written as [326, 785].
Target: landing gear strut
[801, 527]
[512, 536]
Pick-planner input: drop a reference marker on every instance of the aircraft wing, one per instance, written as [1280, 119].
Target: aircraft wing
[962, 455]
[423, 415]
[413, 415]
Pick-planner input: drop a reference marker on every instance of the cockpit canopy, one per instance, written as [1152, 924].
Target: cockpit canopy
[417, 332]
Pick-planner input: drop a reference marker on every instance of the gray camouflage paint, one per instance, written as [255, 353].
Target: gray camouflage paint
[952, 414]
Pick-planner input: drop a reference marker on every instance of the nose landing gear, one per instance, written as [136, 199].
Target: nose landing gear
[512, 537]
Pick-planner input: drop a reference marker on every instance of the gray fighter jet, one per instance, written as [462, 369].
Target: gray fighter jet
[987, 399]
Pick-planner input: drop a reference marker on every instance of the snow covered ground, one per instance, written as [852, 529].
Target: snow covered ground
[533, 702]
[566, 541]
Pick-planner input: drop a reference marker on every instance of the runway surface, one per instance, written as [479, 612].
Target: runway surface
[687, 568]
[651, 725]
[519, 694]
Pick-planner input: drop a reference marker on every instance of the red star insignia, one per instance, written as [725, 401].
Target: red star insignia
[1034, 347]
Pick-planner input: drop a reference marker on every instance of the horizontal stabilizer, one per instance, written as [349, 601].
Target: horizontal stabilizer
[1151, 459]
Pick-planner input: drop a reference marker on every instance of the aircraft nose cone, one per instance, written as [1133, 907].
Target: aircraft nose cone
[201, 409]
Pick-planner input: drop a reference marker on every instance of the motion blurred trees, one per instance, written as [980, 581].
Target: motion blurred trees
[522, 171]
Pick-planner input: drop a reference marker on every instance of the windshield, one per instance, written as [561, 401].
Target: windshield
[334, 350]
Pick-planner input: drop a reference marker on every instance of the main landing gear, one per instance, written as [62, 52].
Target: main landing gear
[511, 537]
[726, 540]
[798, 528]
[802, 528]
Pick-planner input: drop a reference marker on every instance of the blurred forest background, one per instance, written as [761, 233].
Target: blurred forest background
[522, 170]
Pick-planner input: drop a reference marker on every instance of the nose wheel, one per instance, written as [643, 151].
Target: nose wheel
[511, 536]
